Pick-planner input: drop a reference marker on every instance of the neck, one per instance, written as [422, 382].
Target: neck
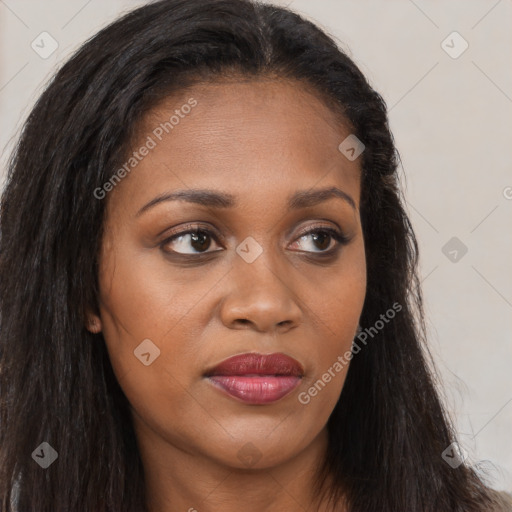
[183, 481]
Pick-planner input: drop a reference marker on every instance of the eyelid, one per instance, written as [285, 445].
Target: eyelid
[319, 227]
[191, 227]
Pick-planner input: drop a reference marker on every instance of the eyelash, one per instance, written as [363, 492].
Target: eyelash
[339, 237]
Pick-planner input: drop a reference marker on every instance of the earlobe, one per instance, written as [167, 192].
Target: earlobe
[93, 324]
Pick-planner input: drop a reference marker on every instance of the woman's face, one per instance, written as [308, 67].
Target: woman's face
[252, 280]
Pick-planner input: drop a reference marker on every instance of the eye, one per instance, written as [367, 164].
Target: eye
[327, 240]
[194, 240]
[199, 239]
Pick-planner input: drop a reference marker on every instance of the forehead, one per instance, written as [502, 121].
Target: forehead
[251, 135]
[283, 110]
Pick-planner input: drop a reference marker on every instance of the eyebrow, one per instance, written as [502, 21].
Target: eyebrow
[216, 199]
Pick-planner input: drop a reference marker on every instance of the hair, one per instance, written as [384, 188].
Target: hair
[388, 429]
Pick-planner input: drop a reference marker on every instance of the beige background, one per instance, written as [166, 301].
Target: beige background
[452, 121]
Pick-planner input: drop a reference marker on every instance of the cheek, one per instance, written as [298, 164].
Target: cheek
[151, 320]
[336, 304]
[336, 295]
[141, 300]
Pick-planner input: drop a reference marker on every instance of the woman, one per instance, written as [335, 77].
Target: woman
[209, 285]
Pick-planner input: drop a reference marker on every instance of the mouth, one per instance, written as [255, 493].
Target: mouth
[255, 378]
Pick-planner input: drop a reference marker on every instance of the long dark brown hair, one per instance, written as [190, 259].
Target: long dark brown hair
[388, 430]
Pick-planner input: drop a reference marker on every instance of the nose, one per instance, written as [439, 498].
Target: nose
[261, 297]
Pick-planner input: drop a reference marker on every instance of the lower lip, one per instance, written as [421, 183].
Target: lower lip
[262, 389]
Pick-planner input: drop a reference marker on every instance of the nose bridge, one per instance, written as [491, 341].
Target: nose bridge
[262, 293]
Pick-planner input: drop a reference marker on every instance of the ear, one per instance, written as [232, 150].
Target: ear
[93, 322]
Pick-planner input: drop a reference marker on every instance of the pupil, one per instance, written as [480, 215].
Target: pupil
[201, 238]
[323, 237]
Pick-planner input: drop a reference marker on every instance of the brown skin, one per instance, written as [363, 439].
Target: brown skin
[261, 141]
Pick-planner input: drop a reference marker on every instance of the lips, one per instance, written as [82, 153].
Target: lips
[256, 378]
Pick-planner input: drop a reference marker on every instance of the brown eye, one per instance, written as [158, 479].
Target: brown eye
[199, 240]
[322, 239]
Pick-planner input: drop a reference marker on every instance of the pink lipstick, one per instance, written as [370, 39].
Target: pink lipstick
[256, 378]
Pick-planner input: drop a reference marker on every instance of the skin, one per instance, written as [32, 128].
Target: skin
[261, 141]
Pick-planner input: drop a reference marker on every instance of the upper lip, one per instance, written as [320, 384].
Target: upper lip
[258, 364]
